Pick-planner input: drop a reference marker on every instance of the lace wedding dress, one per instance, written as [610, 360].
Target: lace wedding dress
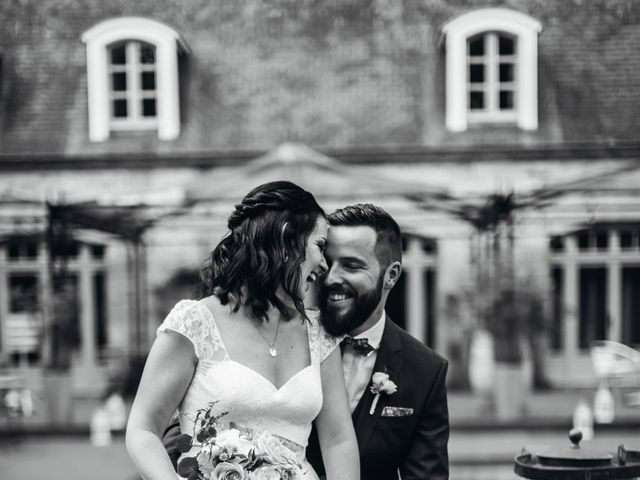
[251, 399]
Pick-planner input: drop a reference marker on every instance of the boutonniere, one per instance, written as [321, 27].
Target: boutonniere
[380, 383]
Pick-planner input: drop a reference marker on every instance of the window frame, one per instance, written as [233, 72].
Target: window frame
[133, 93]
[524, 30]
[573, 258]
[168, 44]
[491, 87]
[84, 264]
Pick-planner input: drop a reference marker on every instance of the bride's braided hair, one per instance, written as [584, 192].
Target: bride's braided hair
[263, 250]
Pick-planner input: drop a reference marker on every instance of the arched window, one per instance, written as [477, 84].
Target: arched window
[491, 70]
[132, 77]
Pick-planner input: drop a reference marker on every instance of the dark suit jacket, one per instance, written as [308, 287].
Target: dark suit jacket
[169, 441]
[416, 444]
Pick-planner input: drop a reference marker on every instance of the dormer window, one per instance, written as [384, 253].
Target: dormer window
[492, 69]
[132, 77]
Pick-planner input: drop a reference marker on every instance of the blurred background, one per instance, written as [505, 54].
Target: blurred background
[501, 135]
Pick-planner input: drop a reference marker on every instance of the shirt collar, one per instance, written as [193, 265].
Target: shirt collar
[374, 334]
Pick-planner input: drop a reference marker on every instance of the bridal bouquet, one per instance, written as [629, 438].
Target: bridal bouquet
[236, 453]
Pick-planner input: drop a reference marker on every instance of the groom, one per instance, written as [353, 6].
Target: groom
[405, 431]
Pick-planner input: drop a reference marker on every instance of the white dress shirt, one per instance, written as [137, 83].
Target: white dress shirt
[357, 369]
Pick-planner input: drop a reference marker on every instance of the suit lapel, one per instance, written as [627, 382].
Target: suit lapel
[388, 360]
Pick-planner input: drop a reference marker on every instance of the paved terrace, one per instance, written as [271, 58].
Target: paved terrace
[480, 448]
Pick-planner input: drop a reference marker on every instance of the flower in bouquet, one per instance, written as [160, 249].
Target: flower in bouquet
[271, 472]
[228, 471]
[232, 442]
[271, 447]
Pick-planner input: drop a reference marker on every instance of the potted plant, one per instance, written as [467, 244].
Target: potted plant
[63, 337]
[515, 318]
[505, 324]
[62, 311]
[506, 308]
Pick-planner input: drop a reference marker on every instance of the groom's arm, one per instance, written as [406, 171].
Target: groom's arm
[427, 456]
[169, 442]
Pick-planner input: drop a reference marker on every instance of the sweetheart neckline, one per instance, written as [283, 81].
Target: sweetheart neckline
[259, 375]
[229, 359]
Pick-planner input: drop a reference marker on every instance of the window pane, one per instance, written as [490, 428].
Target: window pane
[23, 293]
[476, 47]
[149, 107]
[100, 312]
[506, 45]
[556, 244]
[97, 251]
[556, 332]
[583, 241]
[119, 81]
[428, 279]
[118, 55]
[14, 250]
[593, 305]
[22, 249]
[631, 306]
[31, 250]
[476, 73]
[147, 54]
[120, 108]
[476, 100]
[626, 240]
[506, 100]
[429, 246]
[148, 80]
[602, 240]
[506, 72]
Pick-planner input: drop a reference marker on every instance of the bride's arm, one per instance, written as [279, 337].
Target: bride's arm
[335, 428]
[167, 374]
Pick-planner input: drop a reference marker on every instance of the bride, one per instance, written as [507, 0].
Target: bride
[249, 344]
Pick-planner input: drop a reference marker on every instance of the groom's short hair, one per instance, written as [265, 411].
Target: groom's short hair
[388, 235]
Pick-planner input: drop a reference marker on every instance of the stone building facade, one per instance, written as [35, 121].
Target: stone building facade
[160, 115]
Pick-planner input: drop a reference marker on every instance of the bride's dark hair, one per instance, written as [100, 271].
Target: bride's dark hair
[263, 250]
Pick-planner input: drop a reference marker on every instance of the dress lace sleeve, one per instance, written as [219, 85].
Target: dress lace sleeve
[322, 342]
[189, 318]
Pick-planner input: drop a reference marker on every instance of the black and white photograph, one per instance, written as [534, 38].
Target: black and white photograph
[319, 240]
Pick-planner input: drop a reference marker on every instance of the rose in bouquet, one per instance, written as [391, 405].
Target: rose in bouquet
[233, 453]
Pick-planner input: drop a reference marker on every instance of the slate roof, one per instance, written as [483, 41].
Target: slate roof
[335, 74]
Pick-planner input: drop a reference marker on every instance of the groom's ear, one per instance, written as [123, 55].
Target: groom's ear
[391, 275]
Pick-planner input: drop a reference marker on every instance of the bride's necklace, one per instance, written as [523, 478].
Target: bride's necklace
[272, 346]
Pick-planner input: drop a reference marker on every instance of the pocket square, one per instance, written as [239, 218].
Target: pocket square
[396, 412]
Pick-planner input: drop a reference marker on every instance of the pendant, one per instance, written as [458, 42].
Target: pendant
[273, 352]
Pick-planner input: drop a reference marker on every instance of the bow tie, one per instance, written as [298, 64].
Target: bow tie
[360, 345]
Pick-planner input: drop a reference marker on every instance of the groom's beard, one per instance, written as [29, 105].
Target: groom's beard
[362, 306]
